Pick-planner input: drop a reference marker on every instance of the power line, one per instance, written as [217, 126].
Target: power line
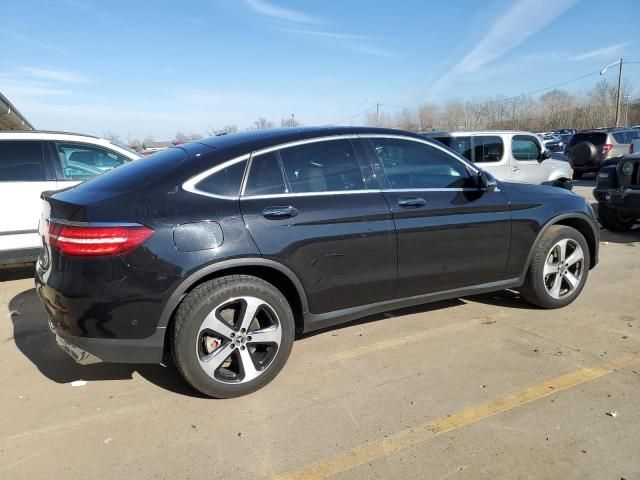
[354, 116]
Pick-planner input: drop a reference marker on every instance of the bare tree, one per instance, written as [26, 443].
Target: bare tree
[112, 137]
[222, 131]
[262, 124]
[290, 122]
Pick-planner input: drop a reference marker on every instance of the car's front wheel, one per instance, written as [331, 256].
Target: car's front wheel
[613, 220]
[559, 268]
[232, 335]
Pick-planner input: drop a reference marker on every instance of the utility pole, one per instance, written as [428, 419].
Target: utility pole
[377, 114]
[618, 95]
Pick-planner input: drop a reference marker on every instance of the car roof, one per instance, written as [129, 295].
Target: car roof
[253, 140]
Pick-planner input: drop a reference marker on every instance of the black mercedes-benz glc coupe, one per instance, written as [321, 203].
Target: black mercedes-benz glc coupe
[222, 250]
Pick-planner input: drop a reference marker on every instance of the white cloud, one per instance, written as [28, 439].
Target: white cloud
[296, 22]
[601, 53]
[523, 19]
[61, 76]
[29, 41]
[280, 13]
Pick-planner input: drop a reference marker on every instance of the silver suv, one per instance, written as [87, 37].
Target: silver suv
[511, 156]
[590, 149]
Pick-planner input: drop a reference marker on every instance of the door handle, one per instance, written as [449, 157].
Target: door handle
[275, 213]
[412, 202]
[515, 169]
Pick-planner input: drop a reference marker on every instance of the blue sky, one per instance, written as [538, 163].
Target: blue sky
[153, 68]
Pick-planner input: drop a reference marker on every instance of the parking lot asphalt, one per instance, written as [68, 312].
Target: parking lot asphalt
[478, 387]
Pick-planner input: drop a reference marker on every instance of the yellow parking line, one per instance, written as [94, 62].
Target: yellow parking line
[404, 439]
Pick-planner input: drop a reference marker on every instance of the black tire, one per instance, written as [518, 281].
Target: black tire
[611, 219]
[577, 175]
[189, 318]
[534, 290]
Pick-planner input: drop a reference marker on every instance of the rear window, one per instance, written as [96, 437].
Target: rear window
[137, 172]
[225, 182]
[597, 138]
[462, 145]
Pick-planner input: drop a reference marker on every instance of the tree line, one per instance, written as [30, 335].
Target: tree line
[552, 110]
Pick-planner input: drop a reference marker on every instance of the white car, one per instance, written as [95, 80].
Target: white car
[35, 161]
[510, 156]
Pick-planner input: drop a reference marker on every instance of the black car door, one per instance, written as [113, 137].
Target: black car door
[312, 206]
[450, 233]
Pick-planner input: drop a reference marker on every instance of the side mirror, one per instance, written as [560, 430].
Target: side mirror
[486, 181]
[545, 155]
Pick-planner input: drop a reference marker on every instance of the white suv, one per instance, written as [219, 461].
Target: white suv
[509, 156]
[35, 161]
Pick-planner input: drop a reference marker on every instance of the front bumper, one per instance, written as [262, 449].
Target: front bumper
[624, 199]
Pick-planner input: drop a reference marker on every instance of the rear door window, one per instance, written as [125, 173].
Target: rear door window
[325, 166]
[597, 138]
[525, 147]
[22, 161]
[488, 148]
[265, 176]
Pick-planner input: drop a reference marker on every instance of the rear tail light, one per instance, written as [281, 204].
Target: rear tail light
[93, 241]
[631, 148]
[606, 148]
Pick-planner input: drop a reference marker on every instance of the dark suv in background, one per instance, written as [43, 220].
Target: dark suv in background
[219, 251]
[618, 194]
[588, 150]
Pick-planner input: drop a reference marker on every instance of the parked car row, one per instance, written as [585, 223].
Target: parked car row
[509, 156]
[589, 150]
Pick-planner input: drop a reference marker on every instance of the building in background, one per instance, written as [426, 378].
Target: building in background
[11, 118]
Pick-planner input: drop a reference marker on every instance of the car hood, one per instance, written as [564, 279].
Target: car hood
[533, 189]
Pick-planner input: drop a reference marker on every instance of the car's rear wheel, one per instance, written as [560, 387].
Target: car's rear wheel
[232, 335]
[613, 220]
[558, 269]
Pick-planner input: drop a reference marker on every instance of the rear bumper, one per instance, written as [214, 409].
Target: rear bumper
[94, 350]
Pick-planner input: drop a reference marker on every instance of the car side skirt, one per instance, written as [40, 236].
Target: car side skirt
[314, 321]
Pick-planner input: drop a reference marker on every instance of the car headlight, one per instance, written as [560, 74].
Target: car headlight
[626, 169]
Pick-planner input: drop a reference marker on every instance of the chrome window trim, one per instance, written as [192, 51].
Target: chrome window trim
[308, 194]
[190, 185]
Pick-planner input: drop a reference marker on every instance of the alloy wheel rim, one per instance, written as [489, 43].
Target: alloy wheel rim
[238, 340]
[563, 269]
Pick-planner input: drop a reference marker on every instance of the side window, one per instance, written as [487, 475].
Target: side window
[412, 165]
[488, 148]
[620, 137]
[21, 161]
[525, 147]
[265, 176]
[462, 145]
[225, 182]
[325, 166]
[81, 162]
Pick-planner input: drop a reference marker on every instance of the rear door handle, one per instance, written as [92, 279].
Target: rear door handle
[515, 169]
[275, 213]
[412, 202]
